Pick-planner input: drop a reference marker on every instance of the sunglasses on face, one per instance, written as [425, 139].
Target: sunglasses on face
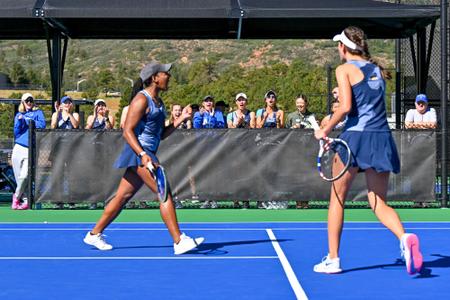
[29, 100]
[241, 100]
[421, 103]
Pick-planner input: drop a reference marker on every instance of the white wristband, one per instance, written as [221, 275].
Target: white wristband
[142, 154]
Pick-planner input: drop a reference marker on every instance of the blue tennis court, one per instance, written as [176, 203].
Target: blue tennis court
[237, 261]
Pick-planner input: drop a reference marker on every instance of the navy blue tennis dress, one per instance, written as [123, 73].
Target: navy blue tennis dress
[148, 132]
[366, 130]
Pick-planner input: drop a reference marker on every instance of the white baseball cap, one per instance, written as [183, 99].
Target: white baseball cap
[241, 95]
[98, 101]
[26, 96]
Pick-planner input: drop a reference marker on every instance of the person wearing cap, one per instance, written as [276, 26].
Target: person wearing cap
[270, 116]
[101, 119]
[423, 116]
[208, 117]
[143, 131]
[28, 112]
[362, 90]
[300, 118]
[241, 117]
[64, 117]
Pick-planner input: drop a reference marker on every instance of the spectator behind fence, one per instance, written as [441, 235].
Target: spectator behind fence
[224, 108]
[326, 119]
[335, 93]
[270, 116]
[175, 114]
[299, 118]
[241, 117]
[101, 119]
[208, 117]
[27, 112]
[423, 116]
[64, 117]
[135, 89]
[195, 108]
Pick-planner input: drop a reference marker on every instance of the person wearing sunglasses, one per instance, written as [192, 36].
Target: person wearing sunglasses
[422, 117]
[270, 116]
[208, 117]
[27, 112]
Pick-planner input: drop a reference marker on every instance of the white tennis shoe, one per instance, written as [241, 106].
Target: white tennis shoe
[97, 240]
[328, 265]
[186, 244]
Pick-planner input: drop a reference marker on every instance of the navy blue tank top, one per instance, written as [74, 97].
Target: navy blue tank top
[63, 124]
[99, 125]
[368, 111]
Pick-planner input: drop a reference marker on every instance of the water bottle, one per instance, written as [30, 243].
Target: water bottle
[438, 186]
[448, 185]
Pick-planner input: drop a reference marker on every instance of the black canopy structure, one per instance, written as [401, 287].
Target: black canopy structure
[59, 20]
[214, 19]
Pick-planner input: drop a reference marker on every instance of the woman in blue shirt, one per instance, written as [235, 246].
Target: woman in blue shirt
[361, 94]
[143, 131]
[208, 117]
[27, 112]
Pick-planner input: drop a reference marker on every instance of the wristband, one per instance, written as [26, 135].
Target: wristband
[142, 154]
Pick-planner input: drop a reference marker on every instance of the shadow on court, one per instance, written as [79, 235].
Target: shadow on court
[216, 248]
[426, 272]
[209, 248]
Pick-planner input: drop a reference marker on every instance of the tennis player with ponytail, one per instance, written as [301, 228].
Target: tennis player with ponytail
[361, 93]
[143, 130]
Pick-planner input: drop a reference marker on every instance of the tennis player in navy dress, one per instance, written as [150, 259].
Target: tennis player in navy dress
[143, 131]
[361, 88]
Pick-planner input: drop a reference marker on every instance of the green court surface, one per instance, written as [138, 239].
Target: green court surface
[219, 215]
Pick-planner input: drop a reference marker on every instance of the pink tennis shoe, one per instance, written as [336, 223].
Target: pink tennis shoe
[409, 246]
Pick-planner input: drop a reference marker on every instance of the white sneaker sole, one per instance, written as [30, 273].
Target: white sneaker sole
[332, 271]
[198, 241]
[92, 244]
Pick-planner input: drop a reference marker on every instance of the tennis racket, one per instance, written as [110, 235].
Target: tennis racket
[161, 181]
[328, 148]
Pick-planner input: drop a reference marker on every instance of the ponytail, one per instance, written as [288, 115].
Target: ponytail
[357, 36]
[137, 87]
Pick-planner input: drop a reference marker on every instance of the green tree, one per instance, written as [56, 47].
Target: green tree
[105, 80]
[18, 75]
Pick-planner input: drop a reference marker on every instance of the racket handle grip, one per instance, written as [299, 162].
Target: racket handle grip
[151, 167]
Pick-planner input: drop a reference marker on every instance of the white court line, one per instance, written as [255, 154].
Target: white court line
[218, 229]
[255, 222]
[295, 284]
[134, 257]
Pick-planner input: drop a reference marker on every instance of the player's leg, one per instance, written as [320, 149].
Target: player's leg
[377, 185]
[339, 189]
[182, 243]
[129, 185]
